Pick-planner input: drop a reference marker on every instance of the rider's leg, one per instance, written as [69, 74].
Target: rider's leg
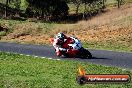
[76, 46]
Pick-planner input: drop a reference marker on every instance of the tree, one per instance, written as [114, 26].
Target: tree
[119, 3]
[7, 1]
[77, 4]
[17, 4]
[92, 7]
[48, 8]
[103, 2]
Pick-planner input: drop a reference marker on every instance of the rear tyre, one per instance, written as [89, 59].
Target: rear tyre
[88, 54]
[85, 53]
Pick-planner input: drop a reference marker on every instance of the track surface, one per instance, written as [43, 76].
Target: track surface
[110, 58]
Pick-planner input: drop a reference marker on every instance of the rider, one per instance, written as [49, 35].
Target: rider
[70, 45]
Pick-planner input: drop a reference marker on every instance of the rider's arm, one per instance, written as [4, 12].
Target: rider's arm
[57, 46]
[77, 44]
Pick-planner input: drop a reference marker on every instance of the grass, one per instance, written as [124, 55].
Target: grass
[27, 27]
[19, 71]
[108, 46]
[111, 3]
[126, 20]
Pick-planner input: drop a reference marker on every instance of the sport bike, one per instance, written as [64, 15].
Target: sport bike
[81, 53]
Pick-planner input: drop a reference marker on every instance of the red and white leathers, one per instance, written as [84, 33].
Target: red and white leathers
[70, 45]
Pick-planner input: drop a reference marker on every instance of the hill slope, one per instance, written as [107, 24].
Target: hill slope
[110, 30]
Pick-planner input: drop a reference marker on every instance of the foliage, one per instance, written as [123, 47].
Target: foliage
[56, 9]
[20, 71]
[90, 6]
[44, 8]
[23, 5]
[2, 33]
[49, 9]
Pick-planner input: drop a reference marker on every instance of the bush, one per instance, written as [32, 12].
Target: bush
[2, 33]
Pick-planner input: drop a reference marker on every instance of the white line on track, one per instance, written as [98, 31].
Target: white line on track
[58, 59]
[36, 56]
[33, 56]
[50, 58]
[43, 57]
[21, 54]
[27, 55]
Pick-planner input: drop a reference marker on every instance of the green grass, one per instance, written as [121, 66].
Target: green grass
[19, 71]
[109, 45]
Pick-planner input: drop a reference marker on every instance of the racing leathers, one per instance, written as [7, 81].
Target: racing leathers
[71, 46]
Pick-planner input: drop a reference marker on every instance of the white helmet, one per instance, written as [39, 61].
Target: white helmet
[61, 36]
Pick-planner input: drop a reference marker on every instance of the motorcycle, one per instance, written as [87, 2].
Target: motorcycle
[81, 53]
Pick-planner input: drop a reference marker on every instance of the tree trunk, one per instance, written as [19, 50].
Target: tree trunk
[77, 8]
[118, 3]
[85, 8]
[104, 3]
[121, 2]
[7, 1]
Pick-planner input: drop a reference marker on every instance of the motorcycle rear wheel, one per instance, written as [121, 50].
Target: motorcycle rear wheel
[85, 54]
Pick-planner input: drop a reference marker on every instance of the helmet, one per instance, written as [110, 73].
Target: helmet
[61, 36]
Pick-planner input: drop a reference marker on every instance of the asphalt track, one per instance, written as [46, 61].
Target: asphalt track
[109, 58]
